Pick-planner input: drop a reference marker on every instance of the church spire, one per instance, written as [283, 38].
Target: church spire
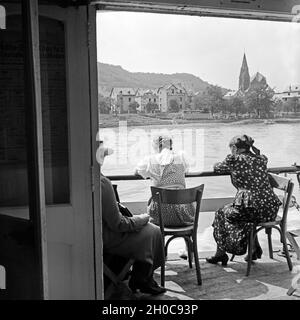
[244, 79]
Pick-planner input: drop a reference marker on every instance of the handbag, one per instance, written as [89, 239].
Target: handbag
[124, 210]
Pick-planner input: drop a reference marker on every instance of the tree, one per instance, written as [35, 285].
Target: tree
[211, 100]
[293, 104]
[173, 105]
[104, 104]
[151, 107]
[260, 101]
[214, 99]
[236, 105]
[198, 102]
[188, 105]
[278, 105]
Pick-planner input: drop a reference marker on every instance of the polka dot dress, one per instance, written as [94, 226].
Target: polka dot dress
[255, 201]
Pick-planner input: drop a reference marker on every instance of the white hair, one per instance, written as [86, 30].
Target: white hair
[162, 141]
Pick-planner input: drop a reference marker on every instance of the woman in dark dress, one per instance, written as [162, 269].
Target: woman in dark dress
[255, 200]
[130, 237]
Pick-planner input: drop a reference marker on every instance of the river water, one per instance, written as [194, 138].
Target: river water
[204, 145]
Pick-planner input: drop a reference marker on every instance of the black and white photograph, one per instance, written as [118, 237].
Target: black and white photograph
[150, 153]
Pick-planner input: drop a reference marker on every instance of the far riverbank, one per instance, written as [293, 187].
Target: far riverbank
[134, 120]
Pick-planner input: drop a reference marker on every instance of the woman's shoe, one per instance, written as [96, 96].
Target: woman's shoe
[255, 254]
[150, 287]
[258, 252]
[215, 259]
[183, 254]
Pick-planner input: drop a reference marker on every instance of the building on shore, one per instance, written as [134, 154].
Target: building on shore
[122, 98]
[291, 92]
[244, 78]
[247, 83]
[147, 100]
[172, 98]
[168, 98]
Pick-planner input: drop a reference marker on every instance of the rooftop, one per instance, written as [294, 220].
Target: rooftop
[258, 77]
[293, 87]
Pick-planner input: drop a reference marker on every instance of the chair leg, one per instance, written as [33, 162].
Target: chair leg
[294, 244]
[188, 243]
[167, 245]
[115, 279]
[163, 267]
[286, 250]
[162, 274]
[232, 257]
[250, 249]
[269, 233]
[197, 264]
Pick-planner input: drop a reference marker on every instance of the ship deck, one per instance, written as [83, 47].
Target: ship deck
[269, 279]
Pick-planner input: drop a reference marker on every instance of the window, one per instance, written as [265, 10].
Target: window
[149, 100]
[187, 60]
[129, 99]
[154, 100]
[13, 151]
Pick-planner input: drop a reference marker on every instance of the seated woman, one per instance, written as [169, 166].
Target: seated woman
[255, 200]
[121, 235]
[167, 169]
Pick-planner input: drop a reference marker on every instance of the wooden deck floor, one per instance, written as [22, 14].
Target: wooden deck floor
[269, 279]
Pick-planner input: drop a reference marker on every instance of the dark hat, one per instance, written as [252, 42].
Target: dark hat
[243, 142]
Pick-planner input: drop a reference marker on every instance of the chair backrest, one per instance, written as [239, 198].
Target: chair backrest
[285, 185]
[178, 196]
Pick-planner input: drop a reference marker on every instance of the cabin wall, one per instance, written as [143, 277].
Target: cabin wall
[70, 122]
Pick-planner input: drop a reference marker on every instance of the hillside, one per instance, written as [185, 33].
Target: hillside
[115, 76]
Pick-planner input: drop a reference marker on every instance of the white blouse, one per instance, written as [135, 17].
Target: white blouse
[153, 166]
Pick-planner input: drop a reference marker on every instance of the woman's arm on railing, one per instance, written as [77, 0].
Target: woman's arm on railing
[276, 170]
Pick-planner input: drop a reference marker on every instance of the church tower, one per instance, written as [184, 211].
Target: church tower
[244, 79]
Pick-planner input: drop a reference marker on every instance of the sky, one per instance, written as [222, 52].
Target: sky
[210, 48]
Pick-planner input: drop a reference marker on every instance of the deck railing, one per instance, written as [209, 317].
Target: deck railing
[209, 204]
[277, 170]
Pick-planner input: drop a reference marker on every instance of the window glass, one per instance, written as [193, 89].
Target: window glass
[13, 142]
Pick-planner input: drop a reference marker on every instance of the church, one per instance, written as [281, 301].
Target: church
[246, 82]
